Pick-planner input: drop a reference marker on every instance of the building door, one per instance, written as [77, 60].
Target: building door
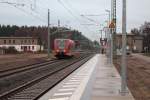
[25, 49]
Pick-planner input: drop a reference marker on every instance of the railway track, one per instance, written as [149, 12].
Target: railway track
[33, 89]
[11, 71]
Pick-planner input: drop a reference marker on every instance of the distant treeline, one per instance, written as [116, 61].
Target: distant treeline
[13, 30]
[29, 31]
[7, 30]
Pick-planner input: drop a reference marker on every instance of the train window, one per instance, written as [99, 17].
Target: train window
[61, 44]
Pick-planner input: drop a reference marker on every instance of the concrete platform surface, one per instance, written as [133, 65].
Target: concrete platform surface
[95, 80]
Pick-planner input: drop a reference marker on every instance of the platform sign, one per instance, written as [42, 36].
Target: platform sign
[112, 24]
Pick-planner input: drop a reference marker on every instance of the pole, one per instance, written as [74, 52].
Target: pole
[123, 68]
[58, 23]
[109, 16]
[113, 18]
[111, 33]
[109, 37]
[111, 46]
[48, 40]
[101, 34]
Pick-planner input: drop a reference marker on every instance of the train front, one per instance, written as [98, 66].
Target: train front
[63, 48]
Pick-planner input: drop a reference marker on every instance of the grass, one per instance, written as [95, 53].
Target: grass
[146, 54]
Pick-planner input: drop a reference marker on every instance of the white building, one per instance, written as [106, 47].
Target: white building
[21, 44]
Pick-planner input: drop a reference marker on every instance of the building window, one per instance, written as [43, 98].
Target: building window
[32, 41]
[4, 41]
[29, 48]
[25, 41]
[29, 41]
[9, 41]
[32, 47]
[14, 41]
[21, 47]
[21, 41]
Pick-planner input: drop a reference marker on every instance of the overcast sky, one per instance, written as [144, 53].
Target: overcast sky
[69, 13]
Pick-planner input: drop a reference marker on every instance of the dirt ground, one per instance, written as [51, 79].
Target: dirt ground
[138, 75]
[19, 57]
[12, 61]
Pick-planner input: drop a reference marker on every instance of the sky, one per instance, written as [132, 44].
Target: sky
[69, 13]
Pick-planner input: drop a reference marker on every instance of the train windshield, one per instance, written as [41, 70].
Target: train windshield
[61, 44]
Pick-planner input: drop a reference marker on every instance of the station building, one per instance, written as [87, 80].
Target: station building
[134, 42]
[21, 44]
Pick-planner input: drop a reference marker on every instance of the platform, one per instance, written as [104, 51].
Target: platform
[95, 80]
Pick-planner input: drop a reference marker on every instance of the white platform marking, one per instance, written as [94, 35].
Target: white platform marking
[68, 86]
[73, 86]
[69, 89]
[66, 98]
[72, 83]
[74, 80]
[63, 94]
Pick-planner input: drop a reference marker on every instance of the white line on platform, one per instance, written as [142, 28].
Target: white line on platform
[69, 89]
[72, 83]
[74, 80]
[77, 78]
[63, 94]
[66, 98]
[67, 86]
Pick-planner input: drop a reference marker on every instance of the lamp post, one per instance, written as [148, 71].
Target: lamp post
[123, 67]
[109, 12]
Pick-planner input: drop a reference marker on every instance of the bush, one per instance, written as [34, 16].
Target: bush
[11, 50]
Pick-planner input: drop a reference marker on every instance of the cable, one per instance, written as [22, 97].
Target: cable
[91, 20]
[69, 11]
[18, 4]
[29, 13]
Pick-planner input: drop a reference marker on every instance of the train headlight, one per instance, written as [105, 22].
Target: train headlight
[64, 50]
[57, 50]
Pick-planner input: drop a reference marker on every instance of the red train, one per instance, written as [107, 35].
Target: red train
[64, 48]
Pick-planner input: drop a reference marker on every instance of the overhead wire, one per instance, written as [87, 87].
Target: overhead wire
[21, 9]
[69, 11]
[28, 13]
[83, 17]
